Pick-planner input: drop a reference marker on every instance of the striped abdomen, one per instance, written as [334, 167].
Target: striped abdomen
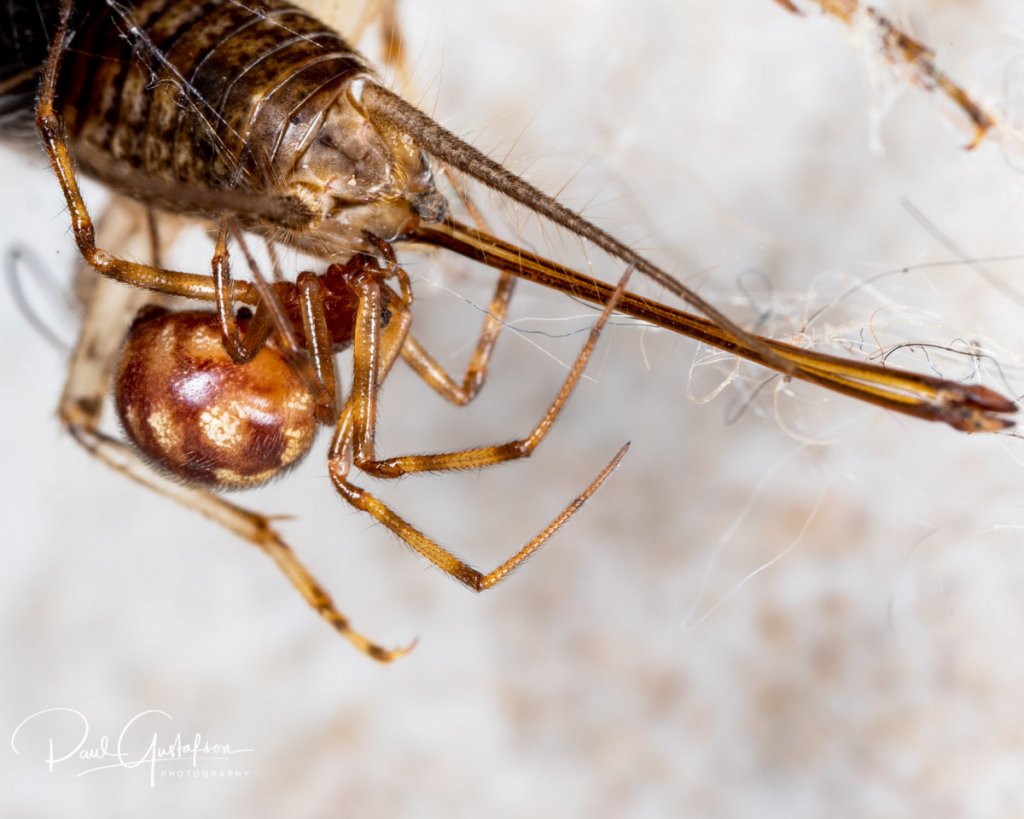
[213, 106]
[209, 94]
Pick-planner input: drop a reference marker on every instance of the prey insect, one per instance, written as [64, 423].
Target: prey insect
[263, 120]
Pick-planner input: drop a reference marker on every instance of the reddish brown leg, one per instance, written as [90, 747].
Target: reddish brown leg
[241, 348]
[319, 347]
[476, 371]
[477, 457]
[354, 444]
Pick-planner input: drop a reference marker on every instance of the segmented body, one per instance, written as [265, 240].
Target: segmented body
[216, 106]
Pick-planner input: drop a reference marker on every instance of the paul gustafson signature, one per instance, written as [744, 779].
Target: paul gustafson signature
[137, 746]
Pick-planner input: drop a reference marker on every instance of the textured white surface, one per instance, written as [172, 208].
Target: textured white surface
[638, 666]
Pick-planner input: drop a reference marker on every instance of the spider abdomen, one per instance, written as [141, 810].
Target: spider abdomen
[200, 416]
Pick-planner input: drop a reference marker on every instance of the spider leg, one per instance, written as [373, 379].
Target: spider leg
[373, 353]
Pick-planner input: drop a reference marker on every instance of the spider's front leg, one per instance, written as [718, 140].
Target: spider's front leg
[375, 348]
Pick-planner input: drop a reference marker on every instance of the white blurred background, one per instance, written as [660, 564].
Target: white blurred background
[790, 605]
